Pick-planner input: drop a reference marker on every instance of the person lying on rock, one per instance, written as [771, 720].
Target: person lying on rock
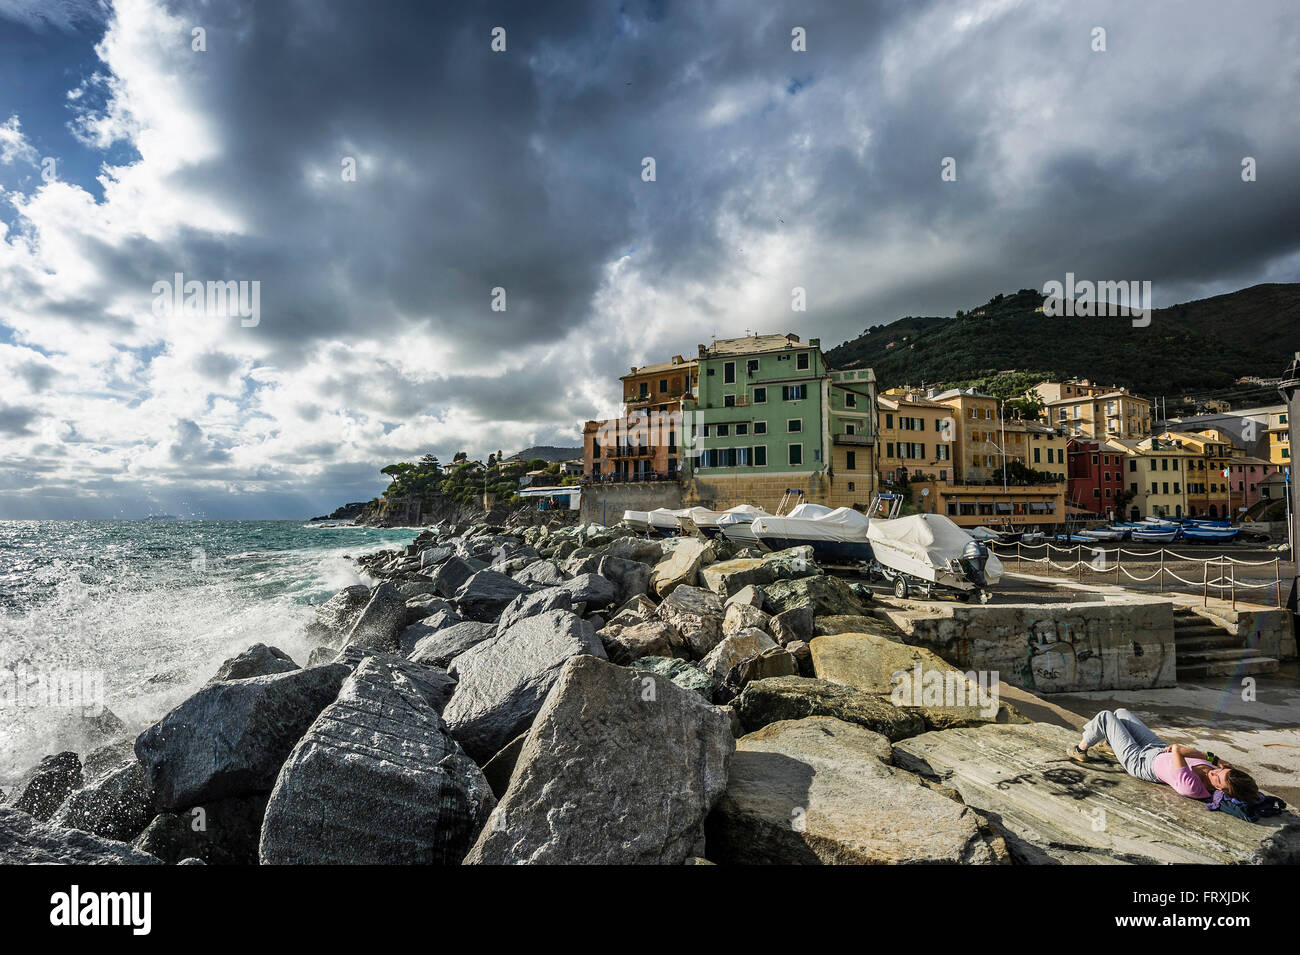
[1143, 754]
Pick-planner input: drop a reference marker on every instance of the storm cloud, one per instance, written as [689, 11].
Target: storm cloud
[386, 175]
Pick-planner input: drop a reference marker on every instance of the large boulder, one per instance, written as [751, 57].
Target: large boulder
[380, 622]
[727, 578]
[26, 841]
[910, 677]
[791, 625]
[502, 682]
[624, 644]
[220, 832]
[41, 789]
[820, 791]
[116, 804]
[825, 593]
[614, 771]
[590, 590]
[637, 610]
[229, 739]
[531, 603]
[772, 662]
[697, 614]
[424, 607]
[680, 565]
[795, 698]
[630, 578]
[734, 649]
[440, 648]
[377, 779]
[486, 594]
[741, 616]
[452, 573]
[335, 617]
[854, 623]
[543, 573]
[686, 675]
[257, 660]
[636, 548]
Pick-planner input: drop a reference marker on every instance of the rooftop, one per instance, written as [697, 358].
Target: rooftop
[753, 344]
[677, 361]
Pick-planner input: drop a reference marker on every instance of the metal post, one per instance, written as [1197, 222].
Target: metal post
[1162, 570]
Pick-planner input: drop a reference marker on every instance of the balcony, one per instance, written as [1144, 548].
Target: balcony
[630, 451]
[857, 440]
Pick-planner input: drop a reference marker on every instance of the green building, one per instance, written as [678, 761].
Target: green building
[770, 415]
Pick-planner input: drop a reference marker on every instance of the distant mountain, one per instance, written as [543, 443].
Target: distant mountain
[547, 453]
[1198, 348]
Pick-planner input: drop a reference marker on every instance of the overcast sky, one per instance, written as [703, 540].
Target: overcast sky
[127, 155]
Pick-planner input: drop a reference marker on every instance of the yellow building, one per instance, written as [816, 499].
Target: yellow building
[969, 505]
[916, 436]
[1156, 471]
[976, 433]
[1279, 438]
[1087, 410]
[1211, 453]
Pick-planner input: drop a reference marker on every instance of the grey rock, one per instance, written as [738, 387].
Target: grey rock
[43, 788]
[635, 548]
[229, 739]
[530, 604]
[257, 660]
[739, 616]
[26, 841]
[592, 590]
[440, 648]
[686, 675]
[486, 594]
[733, 649]
[453, 572]
[377, 779]
[334, 618]
[774, 661]
[544, 573]
[115, 805]
[380, 622]
[653, 639]
[502, 682]
[630, 578]
[610, 776]
[220, 832]
[697, 614]
[793, 624]
[421, 608]
[637, 610]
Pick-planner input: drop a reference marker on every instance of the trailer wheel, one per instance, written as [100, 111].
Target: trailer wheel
[900, 588]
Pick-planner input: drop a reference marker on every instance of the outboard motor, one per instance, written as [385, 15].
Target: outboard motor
[973, 558]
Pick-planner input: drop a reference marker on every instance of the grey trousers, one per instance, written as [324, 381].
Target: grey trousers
[1135, 746]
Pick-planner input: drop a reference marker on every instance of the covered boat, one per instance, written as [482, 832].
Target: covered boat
[928, 553]
[1154, 533]
[639, 521]
[710, 522]
[834, 535]
[736, 523]
[663, 521]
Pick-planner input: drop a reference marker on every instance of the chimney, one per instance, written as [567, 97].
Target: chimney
[792, 336]
[815, 342]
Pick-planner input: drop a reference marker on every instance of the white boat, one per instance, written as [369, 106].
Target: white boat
[1155, 534]
[639, 521]
[1032, 537]
[984, 534]
[1105, 533]
[838, 534]
[663, 521]
[736, 523]
[1210, 533]
[928, 553]
[709, 522]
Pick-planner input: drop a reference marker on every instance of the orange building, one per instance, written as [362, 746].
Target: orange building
[644, 444]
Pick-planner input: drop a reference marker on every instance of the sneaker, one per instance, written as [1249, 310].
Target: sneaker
[1078, 755]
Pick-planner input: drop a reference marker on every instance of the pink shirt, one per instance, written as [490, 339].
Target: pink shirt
[1183, 781]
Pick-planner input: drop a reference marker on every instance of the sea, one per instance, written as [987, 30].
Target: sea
[128, 618]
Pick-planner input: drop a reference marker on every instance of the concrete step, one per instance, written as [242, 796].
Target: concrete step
[1221, 653]
[1250, 666]
[1221, 641]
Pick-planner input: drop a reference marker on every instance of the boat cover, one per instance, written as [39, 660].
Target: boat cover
[931, 538]
[842, 524]
[740, 514]
[984, 534]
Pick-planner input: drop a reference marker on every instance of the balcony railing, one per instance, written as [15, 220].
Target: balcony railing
[855, 439]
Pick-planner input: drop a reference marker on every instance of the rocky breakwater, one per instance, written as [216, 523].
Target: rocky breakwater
[578, 694]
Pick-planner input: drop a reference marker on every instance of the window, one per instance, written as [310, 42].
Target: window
[889, 422]
[728, 401]
[663, 386]
[801, 361]
[850, 400]
[1094, 459]
[729, 373]
[941, 452]
[1164, 464]
[850, 461]
[724, 430]
[1132, 465]
[751, 366]
[760, 427]
[1096, 492]
[742, 457]
[1152, 462]
[742, 429]
[1037, 455]
[645, 389]
[850, 429]
[760, 396]
[794, 392]
[794, 425]
[1165, 485]
[796, 454]
[760, 455]
[889, 449]
[851, 486]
